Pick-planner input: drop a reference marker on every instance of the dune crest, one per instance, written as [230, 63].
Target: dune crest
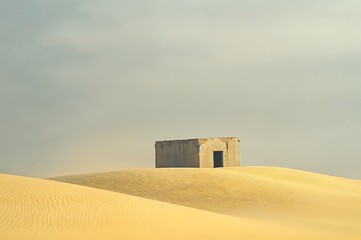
[278, 195]
[240, 203]
[43, 209]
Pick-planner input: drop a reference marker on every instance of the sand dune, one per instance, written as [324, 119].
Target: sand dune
[43, 209]
[284, 196]
[268, 203]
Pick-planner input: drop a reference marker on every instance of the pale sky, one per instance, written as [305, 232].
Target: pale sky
[88, 86]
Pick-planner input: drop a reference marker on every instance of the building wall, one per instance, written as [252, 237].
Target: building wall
[234, 153]
[196, 152]
[229, 146]
[177, 153]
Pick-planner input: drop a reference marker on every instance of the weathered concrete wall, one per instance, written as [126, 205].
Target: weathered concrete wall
[206, 148]
[196, 152]
[177, 153]
[234, 154]
[229, 146]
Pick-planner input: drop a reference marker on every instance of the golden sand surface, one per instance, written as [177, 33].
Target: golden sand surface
[227, 203]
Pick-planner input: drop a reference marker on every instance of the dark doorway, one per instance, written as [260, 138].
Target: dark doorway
[218, 158]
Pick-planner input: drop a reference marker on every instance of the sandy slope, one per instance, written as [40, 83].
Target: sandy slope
[266, 203]
[44, 209]
[291, 198]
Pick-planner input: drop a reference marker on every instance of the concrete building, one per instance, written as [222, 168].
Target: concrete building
[200, 153]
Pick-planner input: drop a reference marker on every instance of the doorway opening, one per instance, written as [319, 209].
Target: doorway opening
[218, 159]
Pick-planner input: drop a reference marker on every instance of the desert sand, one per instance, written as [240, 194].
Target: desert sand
[224, 203]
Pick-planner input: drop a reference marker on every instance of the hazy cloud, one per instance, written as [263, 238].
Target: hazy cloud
[89, 86]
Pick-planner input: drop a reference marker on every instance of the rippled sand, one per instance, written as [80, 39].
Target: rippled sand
[227, 203]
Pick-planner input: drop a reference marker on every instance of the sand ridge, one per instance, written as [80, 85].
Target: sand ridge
[261, 203]
[285, 196]
[43, 209]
